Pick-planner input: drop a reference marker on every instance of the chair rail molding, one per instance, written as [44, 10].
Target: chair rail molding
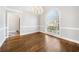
[69, 28]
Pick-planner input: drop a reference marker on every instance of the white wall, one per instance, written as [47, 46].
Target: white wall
[29, 23]
[2, 26]
[68, 20]
[68, 16]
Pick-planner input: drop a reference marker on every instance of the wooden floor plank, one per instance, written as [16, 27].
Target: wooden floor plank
[38, 42]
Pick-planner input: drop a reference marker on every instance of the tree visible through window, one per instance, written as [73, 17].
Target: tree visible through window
[53, 22]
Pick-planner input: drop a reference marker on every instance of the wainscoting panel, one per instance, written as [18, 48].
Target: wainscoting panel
[28, 29]
[70, 32]
[2, 35]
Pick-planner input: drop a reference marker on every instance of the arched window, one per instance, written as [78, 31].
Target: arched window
[53, 21]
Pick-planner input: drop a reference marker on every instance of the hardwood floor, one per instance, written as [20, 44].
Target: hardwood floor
[38, 42]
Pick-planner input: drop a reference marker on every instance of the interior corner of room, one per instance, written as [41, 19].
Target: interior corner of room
[59, 21]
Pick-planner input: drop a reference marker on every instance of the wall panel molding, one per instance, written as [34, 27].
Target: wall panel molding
[28, 29]
[2, 35]
[69, 28]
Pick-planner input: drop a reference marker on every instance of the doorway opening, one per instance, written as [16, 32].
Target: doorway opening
[12, 24]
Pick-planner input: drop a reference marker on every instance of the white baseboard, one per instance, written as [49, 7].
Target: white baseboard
[61, 37]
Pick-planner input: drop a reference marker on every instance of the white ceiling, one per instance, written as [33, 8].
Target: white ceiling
[29, 8]
[21, 8]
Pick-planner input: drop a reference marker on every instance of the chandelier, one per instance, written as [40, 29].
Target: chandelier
[37, 10]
